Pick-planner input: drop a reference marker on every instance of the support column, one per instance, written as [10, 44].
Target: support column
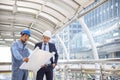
[85, 28]
[63, 45]
[112, 54]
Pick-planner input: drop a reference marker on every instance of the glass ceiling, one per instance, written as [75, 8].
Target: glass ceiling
[36, 15]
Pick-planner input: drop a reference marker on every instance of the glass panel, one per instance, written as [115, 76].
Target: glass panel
[7, 2]
[27, 10]
[29, 5]
[6, 7]
[103, 28]
[54, 13]
[58, 8]
[71, 3]
[49, 17]
[64, 6]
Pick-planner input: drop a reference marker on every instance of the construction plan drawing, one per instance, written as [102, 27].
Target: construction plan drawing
[37, 59]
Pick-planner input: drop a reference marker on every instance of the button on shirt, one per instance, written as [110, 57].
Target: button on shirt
[45, 47]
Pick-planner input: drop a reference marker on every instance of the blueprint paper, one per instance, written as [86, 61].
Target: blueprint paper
[36, 60]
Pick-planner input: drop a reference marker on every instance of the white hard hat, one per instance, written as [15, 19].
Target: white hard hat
[47, 33]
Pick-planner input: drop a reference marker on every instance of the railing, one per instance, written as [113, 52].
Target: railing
[103, 69]
[5, 67]
[5, 71]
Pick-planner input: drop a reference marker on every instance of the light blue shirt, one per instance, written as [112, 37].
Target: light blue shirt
[19, 51]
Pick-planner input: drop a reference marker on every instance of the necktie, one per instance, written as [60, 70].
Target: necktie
[44, 48]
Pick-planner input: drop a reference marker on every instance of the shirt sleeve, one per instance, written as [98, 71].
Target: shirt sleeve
[15, 52]
[29, 51]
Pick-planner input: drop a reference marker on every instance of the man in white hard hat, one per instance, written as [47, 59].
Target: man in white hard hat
[47, 69]
[20, 53]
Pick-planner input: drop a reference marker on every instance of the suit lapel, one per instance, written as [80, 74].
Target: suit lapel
[49, 47]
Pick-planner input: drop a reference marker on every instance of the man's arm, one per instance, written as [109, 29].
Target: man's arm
[35, 46]
[15, 52]
[56, 55]
[38, 45]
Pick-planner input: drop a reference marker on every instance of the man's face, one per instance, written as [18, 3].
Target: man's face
[45, 39]
[24, 38]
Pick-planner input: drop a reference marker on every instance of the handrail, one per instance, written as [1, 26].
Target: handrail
[110, 60]
[66, 68]
[6, 66]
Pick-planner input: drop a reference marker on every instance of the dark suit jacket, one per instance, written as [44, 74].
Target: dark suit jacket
[52, 48]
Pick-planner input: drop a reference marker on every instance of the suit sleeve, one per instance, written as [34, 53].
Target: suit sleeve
[36, 45]
[56, 55]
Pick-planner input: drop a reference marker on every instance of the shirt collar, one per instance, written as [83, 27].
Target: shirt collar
[20, 44]
[44, 43]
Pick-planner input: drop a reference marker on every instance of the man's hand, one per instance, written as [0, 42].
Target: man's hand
[42, 65]
[53, 65]
[25, 59]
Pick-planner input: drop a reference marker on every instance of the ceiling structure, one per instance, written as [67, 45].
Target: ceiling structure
[36, 15]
